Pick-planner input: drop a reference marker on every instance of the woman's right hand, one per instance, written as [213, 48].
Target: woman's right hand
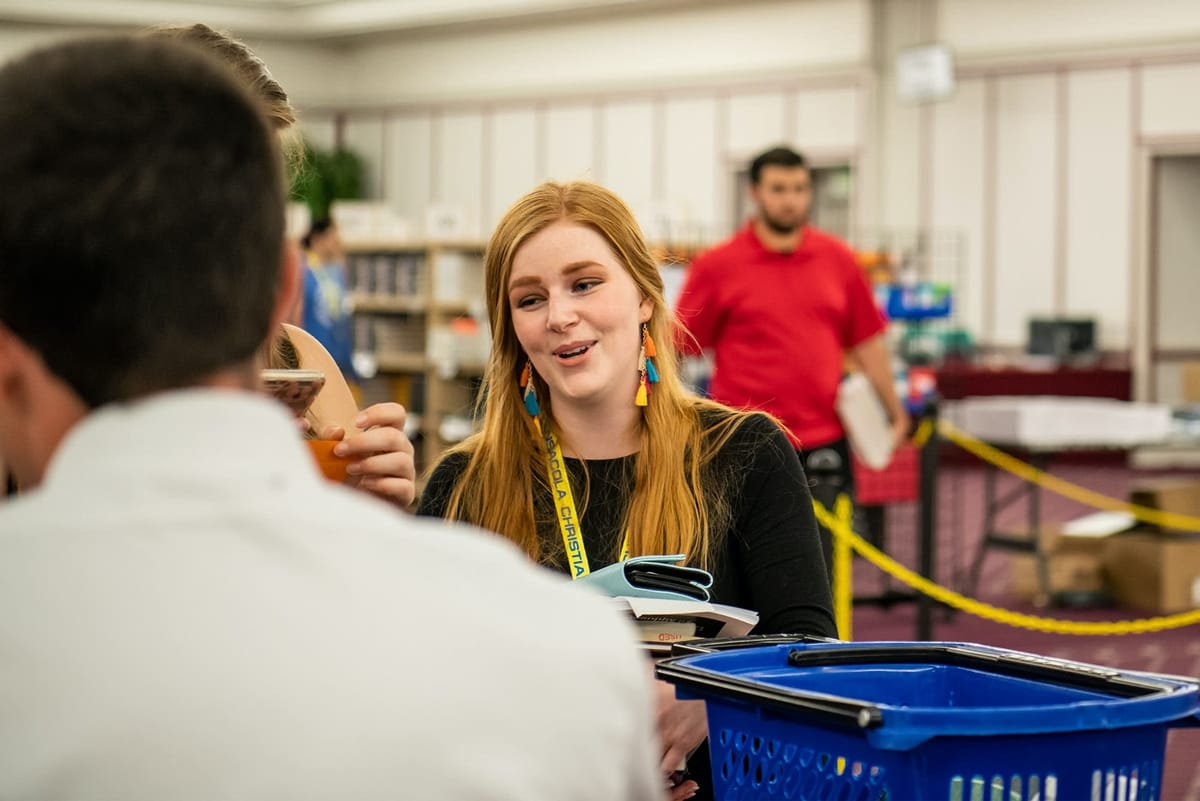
[382, 459]
[682, 727]
[684, 790]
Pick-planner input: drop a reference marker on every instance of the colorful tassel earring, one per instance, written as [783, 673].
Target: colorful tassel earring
[651, 355]
[531, 402]
[647, 372]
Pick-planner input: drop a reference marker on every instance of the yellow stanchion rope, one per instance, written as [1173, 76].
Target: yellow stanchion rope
[923, 433]
[988, 611]
[1026, 472]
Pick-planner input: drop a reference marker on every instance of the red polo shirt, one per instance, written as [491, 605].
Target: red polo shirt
[779, 325]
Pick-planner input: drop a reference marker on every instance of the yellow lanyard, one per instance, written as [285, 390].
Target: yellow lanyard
[564, 503]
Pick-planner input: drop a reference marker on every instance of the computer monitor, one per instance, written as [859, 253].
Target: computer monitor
[1063, 338]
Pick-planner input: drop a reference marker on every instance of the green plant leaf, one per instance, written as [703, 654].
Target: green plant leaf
[322, 176]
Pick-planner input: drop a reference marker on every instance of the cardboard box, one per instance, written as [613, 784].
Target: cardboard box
[1074, 564]
[1179, 496]
[1069, 572]
[1052, 540]
[1157, 573]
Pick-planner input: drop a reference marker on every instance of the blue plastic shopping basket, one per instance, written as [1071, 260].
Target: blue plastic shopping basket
[914, 721]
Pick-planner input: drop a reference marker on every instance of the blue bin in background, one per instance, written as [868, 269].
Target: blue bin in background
[919, 721]
[924, 300]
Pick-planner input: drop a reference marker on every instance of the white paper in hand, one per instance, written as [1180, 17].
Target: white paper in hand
[865, 420]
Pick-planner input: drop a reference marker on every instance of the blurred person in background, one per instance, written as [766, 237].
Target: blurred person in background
[781, 305]
[327, 314]
[188, 610]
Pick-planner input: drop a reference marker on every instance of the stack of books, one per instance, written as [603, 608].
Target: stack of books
[661, 622]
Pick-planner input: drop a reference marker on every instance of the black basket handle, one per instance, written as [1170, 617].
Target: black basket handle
[845, 711]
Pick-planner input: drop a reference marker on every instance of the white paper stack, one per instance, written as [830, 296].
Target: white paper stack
[865, 420]
[1057, 422]
[662, 621]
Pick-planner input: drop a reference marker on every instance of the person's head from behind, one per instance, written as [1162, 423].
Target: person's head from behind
[248, 67]
[141, 235]
[324, 240]
[570, 283]
[781, 188]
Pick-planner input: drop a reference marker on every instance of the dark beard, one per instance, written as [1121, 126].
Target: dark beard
[779, 228]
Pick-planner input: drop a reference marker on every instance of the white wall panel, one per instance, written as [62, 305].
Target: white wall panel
[827, 119]
[627, 153]
[1025, 204]
[17, 39]
[1098, 218]
[320, 130]
[619, 51]
[408, 178]
[899, 132]
[458, 154]
[957, 190]
[1168, 383]
[1177, 240]
[310, 73]
[898, 148]
[512, 160]
[363, 134]
[690, 168]
[756, 122]
[570, 142]
[1048, 26]
[1169, 106]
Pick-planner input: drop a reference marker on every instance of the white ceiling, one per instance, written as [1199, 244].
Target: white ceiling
[309, 19]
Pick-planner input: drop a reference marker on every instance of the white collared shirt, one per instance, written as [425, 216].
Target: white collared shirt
[189, 611]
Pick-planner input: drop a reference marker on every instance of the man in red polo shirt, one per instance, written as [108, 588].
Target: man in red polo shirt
[781, 304]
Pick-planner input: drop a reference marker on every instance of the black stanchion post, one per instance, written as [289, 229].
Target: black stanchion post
[927, 517]
[825, 469]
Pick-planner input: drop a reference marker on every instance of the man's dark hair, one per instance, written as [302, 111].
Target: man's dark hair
[142, 217]
[775, 157]
[318, 227]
